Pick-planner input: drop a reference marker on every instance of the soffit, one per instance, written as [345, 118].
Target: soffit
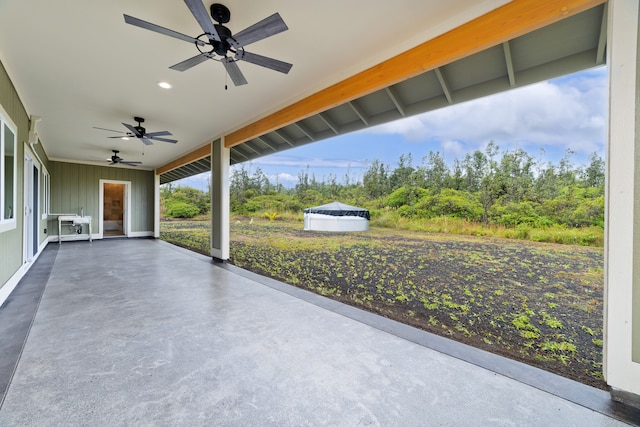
[567, 46]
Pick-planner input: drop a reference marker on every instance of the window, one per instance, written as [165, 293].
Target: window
[46, 195]
[8, 168]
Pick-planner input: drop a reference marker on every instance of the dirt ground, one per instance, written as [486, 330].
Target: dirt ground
[537, 303]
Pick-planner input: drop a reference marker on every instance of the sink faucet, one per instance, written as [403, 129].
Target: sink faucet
[82, 212]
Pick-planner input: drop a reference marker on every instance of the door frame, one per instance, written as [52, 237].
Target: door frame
[126, 214]
[32, 214]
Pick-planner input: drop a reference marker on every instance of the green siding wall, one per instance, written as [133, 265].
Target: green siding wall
[11, 241]
[75, 186]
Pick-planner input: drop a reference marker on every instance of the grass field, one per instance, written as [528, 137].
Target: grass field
[535, 302]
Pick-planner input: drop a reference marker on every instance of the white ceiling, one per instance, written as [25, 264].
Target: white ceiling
[77, 64]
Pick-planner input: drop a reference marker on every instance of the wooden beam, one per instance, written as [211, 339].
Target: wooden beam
[198, 154]
[500, 25]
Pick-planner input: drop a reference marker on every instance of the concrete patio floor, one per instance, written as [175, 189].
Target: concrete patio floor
[140, 332]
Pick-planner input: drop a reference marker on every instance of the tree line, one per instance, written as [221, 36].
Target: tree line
[490, 186]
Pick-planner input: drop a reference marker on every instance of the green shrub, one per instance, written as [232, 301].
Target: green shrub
[589, 212]
[407, 211]
[405, 196]
[190, 196]
[514, 214]
[452, 203]
[182, 210]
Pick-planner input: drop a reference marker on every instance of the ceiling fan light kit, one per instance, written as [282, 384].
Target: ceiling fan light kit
[217, 42]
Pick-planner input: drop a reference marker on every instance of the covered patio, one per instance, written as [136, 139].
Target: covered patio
[185, 341]
[115, 336]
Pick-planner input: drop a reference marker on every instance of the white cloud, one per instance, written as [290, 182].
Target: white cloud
[283, 178]
[453, 148]
[278, 160]
[200, 182]
[567, 113]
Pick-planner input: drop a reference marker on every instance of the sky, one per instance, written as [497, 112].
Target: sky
[545, 119]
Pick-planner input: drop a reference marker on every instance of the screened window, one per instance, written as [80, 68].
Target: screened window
[8, 168]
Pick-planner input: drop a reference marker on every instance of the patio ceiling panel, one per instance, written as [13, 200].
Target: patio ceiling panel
[573, 35]
[306, 134]
[284, 136]
[420, 88]
[362, 115]
[195, 168]
[342, 115]
[266, 142]
[567, 46]
[476, 69]
[377, 103]
[314, 126]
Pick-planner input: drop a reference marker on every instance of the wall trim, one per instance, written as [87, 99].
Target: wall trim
[141, 234]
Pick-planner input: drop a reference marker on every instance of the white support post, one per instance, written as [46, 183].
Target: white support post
[220, 164]
[156, 206]
[622, 247]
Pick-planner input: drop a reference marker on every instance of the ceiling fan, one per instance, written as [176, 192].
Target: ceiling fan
[141, 133]
[219, 43]
[117, 160]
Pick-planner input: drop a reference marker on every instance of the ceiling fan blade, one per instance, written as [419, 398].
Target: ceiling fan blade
[154, 134]
[264, 61]
[110, 130]
[258, 31]
[191, 62]
[122, 162]
[145, 141]
[234, 71]
[200, 13]
[133, 130]
[158, 29]
[155, 138]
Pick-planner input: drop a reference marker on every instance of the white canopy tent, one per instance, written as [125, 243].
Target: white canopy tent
[336, 216]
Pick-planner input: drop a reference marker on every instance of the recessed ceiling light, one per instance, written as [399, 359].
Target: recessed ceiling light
[126, 138]
[164, 85]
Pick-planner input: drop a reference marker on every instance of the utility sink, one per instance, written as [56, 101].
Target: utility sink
[76, 219]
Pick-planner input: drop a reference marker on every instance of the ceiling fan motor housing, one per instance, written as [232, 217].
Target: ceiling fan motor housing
[223, 46]
[220, 13]
[139, 128]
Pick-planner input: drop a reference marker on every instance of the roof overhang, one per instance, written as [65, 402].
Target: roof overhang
[515, 45]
